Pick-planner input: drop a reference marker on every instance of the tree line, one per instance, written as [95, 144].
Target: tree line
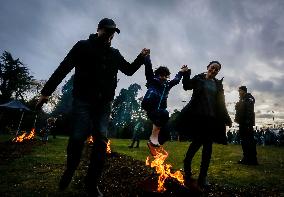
[16, 82]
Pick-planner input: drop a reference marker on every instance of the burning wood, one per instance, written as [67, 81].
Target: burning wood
[20, 138]
[25, 136]
[31, 135]
[90, 140]
[108, 147]
[164, 170]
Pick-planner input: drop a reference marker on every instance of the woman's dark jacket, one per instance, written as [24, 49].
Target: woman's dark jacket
[157, 90]
[195, 115]
[96, 67]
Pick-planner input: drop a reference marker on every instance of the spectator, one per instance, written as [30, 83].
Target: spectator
[136, 134]
[246, 119]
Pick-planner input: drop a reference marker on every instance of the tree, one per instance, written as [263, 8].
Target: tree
[15, 79]
[64, 104]
[126, 110]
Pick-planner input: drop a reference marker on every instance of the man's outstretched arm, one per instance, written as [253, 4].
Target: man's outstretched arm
[129, 69]
[59, 74]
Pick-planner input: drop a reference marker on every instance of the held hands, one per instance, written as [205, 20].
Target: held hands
[229, 124]
[145, 52]
[184, 68]
[42, 99]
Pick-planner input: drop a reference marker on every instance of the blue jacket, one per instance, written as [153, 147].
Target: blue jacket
[157, 90]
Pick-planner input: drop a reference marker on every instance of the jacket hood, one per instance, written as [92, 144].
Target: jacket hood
[93, 36]
[250, 97]
[95, 39]
[203, 75]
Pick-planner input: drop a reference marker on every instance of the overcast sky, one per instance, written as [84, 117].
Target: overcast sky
[246, 36]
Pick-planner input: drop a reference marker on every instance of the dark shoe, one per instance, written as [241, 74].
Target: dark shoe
[247, 162]
[192, 185]
[203, 182]
[252, 162]
[130, 146]
[136, 147]
[153, 148]
[242, 161]
[94, 192]
[65, 180]
[255, 163]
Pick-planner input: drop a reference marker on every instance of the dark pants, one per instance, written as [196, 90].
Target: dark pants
[158, 117]
[206, 156]
[133, 142]
[88, 119]
[248, 143]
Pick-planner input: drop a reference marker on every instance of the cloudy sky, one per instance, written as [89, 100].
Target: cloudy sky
[246, 36]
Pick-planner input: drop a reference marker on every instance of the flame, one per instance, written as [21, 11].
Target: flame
[25, 136]
[108, 147]
[31, 135]
[20, 138]
[164, 170]
[90, 140]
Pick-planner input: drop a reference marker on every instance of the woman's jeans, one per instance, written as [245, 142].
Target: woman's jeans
[205, 159]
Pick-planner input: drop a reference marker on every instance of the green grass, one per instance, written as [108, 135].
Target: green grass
[223, 168]
[37, 168]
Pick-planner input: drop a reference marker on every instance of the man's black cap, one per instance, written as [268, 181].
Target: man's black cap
[108, 24]
[244, 88]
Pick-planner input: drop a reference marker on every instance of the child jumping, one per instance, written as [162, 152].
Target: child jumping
[155, 99]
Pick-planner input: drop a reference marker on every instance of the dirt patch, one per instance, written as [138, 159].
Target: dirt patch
[123, 176]
[10, 150]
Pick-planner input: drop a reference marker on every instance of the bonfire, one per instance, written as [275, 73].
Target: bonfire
[25, 136]
[90, 141]
[163, 170]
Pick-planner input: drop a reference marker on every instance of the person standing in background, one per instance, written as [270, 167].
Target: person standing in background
[245, 117]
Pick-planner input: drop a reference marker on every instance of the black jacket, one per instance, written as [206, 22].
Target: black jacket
[157, 90]
[195, 115]
[96, 67]
[245, 111]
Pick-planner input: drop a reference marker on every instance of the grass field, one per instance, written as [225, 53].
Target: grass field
[223, 168]
[35, 171]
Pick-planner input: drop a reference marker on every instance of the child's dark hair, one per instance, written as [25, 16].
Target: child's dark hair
[162, 71]
[214, 62]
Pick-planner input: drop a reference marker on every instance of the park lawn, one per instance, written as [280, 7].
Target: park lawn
[223, 169]
[35, 172]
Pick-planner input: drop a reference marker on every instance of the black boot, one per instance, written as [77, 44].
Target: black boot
[192, 185]
[74, 150]
[94, 192]
[65, 179]
[137, 145]
[97, 161]
[203, 182]
[131, 146]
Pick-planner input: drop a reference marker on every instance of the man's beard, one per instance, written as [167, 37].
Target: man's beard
[104, 41]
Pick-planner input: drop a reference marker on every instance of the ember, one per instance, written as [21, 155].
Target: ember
[164, 170]
[31, 135]
[25, 136]
[90, 140]
[108, 147]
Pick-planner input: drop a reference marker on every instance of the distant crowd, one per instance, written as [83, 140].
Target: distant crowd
[267, 136]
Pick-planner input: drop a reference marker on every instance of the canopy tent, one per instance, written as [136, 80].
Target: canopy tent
[15, 104]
